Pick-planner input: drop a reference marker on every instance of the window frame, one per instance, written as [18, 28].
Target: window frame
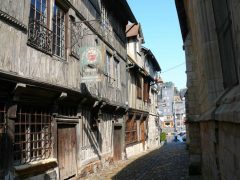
[108, 66]
[32, 135]
[146, 91]
[131, 130]
[139, 87]
[63, 35]
[44, 33]
[39, 32]
[116, 72]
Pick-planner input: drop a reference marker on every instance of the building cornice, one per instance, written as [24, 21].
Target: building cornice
[12, 21]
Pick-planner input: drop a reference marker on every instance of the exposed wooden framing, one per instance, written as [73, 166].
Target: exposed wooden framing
[45, 80]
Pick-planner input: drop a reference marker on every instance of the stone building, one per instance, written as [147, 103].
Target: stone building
[210, 31]
[179, 113]
[165, 106]
[63, 86]
[141, 130]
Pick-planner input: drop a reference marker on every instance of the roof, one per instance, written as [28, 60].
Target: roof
[133, 29]
[121, 8]
[149, 53]
[182, 18]
[128, 11]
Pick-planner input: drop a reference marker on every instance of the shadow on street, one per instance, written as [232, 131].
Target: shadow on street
[170, 162]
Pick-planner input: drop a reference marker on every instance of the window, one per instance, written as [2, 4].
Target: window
[116, 73]
[33, 136]
[38, 11]
[105, 24]
[108, 67]
[225, 40]
[39, 35]
[58, 31]
[75, 43]
[131, 131]
[146, 91]
[139, 87]
[167, 124]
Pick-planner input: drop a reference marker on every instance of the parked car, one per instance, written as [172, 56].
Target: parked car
[180, 137]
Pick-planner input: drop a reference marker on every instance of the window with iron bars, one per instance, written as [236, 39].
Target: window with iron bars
[131, 135]
[32, 136]
[40, 34]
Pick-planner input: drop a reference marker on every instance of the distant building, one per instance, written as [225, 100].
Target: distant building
[165, 105]
[179, 113]
[171, 106]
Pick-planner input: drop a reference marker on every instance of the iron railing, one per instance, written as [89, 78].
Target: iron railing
[39, 36]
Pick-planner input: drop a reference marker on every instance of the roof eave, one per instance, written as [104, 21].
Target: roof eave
[182, 18]
[149, 52]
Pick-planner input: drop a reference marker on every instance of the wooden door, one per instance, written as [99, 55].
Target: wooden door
[142, 133]
[117, 155]
[67, 151]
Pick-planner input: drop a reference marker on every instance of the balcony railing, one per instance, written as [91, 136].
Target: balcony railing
[40, 36]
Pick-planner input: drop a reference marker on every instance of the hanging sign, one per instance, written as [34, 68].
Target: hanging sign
[91, 61]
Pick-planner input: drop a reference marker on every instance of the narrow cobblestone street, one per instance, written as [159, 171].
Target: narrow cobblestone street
[170, 162]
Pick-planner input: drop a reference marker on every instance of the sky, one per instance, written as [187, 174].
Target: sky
[162, 35]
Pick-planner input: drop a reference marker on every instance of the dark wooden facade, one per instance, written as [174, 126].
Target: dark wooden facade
[56, 120]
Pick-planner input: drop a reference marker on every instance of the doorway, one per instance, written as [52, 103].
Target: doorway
[67, 150]
[117, 142]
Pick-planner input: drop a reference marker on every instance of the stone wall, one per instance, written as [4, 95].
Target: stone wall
[153, 139]
[228, 150]
[212, 101]
[134, 149]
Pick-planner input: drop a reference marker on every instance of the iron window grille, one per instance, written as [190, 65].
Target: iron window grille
[39, 36]
[131, 131]
[33, 136]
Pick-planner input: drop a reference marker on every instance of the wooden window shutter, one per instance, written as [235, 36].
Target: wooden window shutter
[139, 88]
[225, 40]
[146, 91]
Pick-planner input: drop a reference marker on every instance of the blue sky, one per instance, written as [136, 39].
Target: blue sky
[162, 35]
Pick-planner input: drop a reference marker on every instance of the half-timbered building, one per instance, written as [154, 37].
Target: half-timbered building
[142, 72]
[62, 86]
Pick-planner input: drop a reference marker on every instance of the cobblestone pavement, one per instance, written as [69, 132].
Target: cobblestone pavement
[170, 162]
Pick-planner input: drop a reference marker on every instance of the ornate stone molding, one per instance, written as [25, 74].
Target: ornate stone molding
[13, 21]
